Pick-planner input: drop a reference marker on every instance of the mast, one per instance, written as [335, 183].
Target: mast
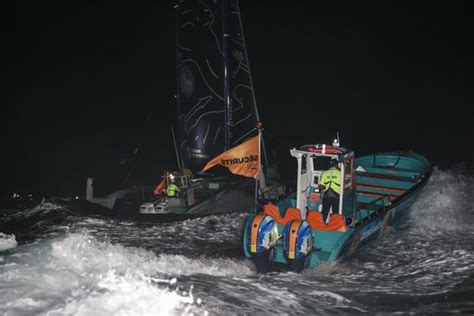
[255, 109]
[178, 105]
[226, 57]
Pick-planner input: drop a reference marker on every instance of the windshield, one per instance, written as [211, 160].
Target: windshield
[321, 163]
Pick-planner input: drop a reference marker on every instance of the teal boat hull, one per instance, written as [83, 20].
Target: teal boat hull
[414, 169]
[387, 184]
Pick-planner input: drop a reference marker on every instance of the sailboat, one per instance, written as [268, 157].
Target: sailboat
[216, 111]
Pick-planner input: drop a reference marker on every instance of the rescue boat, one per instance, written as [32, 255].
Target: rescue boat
[375, 191]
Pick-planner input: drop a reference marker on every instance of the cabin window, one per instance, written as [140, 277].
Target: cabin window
[321, 163]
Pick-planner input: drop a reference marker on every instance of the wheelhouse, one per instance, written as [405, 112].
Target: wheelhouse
[312, 161]
[180, 179]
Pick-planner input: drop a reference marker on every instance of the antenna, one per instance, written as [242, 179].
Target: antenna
[336, 141]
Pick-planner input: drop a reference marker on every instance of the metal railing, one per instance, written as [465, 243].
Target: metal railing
[373, 208]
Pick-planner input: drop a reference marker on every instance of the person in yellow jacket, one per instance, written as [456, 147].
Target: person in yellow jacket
[331, 184]
[172, 190]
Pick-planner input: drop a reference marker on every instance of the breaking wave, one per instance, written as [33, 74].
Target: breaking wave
[447, 202]
[80, 275]
[58, 259]
[7, 241]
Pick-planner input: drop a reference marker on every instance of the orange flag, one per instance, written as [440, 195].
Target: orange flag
[160, 187]
[243, 159]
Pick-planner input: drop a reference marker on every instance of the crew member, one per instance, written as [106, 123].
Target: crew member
[331, 184]
[172, 190]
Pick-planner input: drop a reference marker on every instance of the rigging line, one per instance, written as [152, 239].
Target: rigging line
[248, 63]
[244, 136]
[277, 141]
[257, 116]
[175, 147]
[137, 150]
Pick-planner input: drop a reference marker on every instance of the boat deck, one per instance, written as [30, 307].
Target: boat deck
[378, 186]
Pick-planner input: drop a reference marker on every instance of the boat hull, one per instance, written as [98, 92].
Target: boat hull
[375, 227]
[387, 184]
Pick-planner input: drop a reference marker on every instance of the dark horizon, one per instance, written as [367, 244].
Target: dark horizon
[81, 80]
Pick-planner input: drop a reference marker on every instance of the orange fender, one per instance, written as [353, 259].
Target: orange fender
[291, 213]
[336, 222]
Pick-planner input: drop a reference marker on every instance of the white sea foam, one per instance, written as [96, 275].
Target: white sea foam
[177, 264]
[82, 276]
[336, 297]
[429, 255]
[81, 252]
[446, 203]
[7, 241]
[129, 294]
[41, 208]
[47, 206]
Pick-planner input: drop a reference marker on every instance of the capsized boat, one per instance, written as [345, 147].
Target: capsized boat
[216, 111]
[206, 194]
[180, 193]
[376, 190]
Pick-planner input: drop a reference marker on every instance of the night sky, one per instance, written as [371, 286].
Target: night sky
[79, 80]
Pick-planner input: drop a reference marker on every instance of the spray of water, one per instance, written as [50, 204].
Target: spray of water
[101, 266]
[446, 203]
[7, 241]
[82, 276]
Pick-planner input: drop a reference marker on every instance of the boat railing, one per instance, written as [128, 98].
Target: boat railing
[367, 210]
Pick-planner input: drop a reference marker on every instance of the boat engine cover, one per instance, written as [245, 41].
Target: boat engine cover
[298, 240]
[262, 234]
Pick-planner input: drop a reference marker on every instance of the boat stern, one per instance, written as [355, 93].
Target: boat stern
[156, 207]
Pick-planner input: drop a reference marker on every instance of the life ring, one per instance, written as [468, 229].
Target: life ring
[323, 149]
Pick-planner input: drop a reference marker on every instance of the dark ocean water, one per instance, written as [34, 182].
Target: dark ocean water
[60, 259]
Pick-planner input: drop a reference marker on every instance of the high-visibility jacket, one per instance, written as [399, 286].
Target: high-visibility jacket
[331, 179]
[172, 189]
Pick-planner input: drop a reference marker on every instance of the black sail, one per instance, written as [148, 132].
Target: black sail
[209, 123]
